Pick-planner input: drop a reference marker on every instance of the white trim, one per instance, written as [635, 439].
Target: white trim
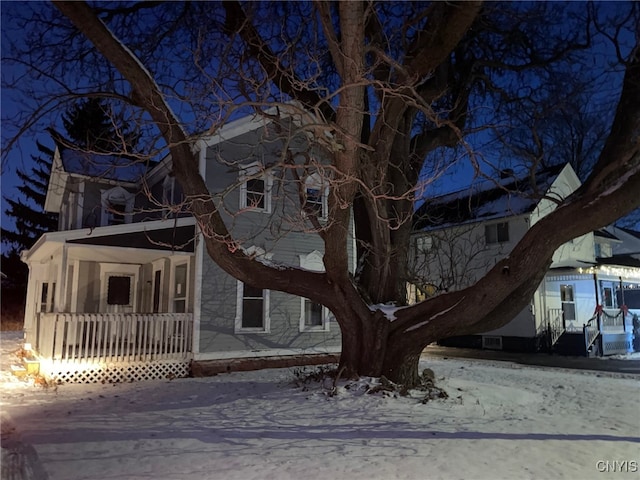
[313, 261]
[175, 263]
[255, 171]
[60, 293]
[266, 317]
[316, 181]
[115, 269]
[114, 195]
[230, 130]
[303, 327]
[156, 265]
[105, 231]
[75, 287]
[273, 352]
[197, 294]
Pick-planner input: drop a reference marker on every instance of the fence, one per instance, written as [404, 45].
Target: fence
[113, 337]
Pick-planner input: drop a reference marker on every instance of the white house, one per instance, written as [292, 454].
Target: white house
[125, 291]
[588, 299]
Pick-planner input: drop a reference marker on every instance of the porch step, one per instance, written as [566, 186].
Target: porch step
[19, 371]
[30, 366]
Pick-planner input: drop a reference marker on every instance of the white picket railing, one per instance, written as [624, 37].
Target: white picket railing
[113, 337]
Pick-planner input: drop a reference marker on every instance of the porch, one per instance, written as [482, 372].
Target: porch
[607, 332]
[88, 347]
[111, 304]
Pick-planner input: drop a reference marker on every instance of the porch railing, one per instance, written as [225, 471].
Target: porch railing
[555, 325]
[113, 337]
[591, 331]
[613, 320]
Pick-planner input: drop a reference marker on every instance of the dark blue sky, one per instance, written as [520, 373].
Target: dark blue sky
[20, 155]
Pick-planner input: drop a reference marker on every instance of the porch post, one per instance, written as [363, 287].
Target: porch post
[595, 281]
[197, 294]
[30, 305]
[622, 312]
[58, 305]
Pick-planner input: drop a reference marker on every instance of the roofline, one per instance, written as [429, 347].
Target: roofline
[65, 235]
[447, 226]
[235, 128]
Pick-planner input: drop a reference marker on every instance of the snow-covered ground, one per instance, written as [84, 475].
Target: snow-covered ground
[501, 421]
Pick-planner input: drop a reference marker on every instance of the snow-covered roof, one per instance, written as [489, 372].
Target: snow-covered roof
[486, 200]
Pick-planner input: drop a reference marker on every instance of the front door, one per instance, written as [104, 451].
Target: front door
[119, 285]
[120, 295]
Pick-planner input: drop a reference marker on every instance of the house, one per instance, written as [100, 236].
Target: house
[125, 291]
[588, 299]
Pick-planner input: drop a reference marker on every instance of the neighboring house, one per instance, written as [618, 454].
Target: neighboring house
[584, 305]
[125, 290]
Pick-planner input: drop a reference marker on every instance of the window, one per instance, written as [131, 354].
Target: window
[255, 193]
[46, 297]
[496, 233]
[119, 290]
[608, 298]
[118, 284]
[157, 282]
[424, 244]
[117, 206]
[314, 317]
[116, 213]
[252, 309]
[315, 196]
[255, 189]
[313, 202]
[180, 288]
[568, 303]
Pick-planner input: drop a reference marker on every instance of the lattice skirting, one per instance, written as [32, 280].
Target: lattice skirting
[114, 373]
[619, 343]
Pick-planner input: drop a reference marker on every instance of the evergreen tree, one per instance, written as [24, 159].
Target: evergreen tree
[31, 221]
[90, 126]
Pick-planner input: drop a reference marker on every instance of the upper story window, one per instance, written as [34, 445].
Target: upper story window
[172, 198]
[315, 196]
[496, 233]
[117, 206]
[424, 244]
[255, 190]
[116, 212]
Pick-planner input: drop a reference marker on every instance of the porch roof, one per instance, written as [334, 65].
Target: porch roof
[145, 241]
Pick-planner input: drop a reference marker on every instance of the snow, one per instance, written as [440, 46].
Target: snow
[501, 421]
[439, 314]
[389, 310]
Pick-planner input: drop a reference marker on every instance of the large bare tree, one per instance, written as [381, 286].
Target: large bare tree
[390, 86]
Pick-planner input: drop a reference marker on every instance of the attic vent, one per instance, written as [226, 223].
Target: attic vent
[492, 343]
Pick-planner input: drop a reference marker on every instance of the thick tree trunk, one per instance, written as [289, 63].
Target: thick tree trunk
[369, 350]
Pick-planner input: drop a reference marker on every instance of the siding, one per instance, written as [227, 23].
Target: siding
[284, 233]
[218, 313]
